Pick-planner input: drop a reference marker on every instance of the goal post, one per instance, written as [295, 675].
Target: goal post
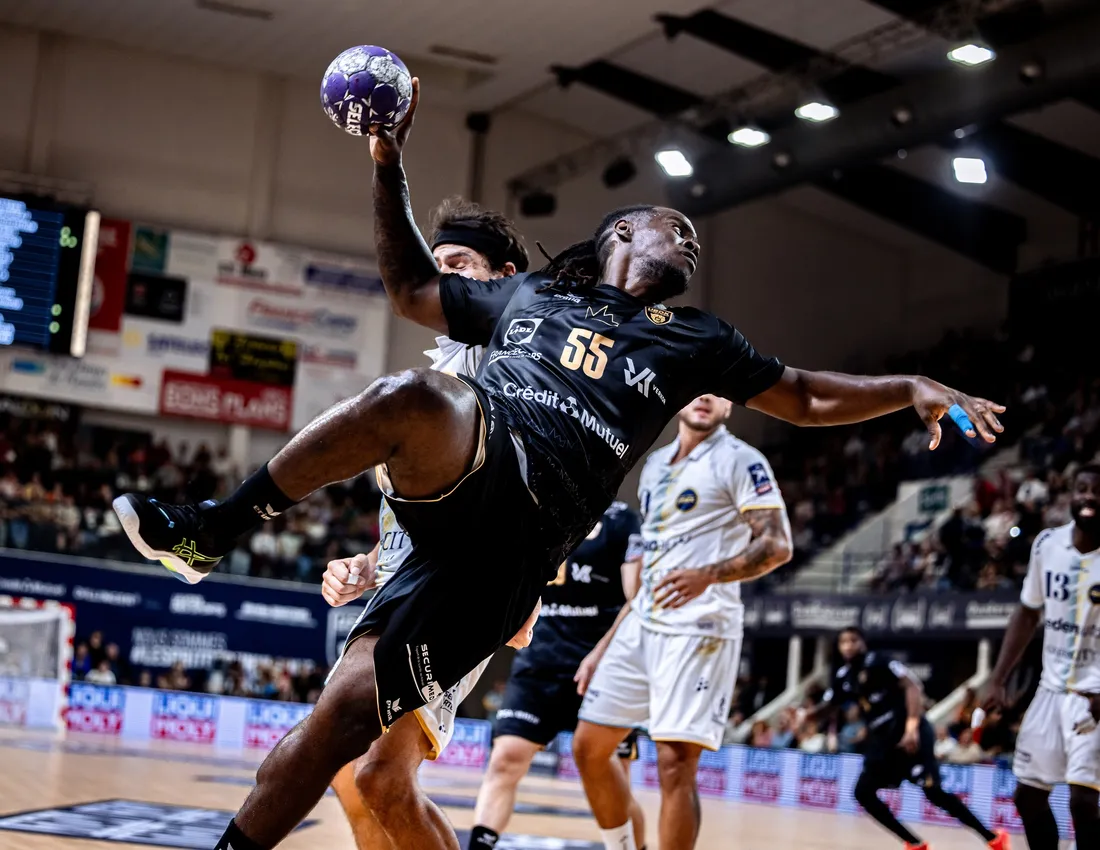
[36, 649]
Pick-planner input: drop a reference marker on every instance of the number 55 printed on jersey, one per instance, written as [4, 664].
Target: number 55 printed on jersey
[584, 350]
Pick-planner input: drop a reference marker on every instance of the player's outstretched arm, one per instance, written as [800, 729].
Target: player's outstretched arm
[408, 270]
[1020, 631]
[833, 398]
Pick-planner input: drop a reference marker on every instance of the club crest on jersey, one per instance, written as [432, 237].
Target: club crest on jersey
[1094, 594]
[760, 479]
[603, 315]
[658, 315]
[521, 330]
[687, 500]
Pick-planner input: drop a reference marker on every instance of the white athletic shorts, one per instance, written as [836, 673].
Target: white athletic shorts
[1048, 751]
[677, 687]
[437, 718]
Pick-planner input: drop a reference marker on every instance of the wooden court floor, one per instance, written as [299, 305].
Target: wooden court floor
[120, 782]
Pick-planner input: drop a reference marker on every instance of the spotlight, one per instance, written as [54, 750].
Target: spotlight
[749, 137]
[698, 190]
[901, 116]
[620, 171]
[1032, 71]
[971, 54]
[969, 169]
[537, 204]
[674, 163]
[782, 159]
[817, 111]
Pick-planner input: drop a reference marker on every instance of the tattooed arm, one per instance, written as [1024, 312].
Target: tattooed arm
[405, 262]
[769, 548]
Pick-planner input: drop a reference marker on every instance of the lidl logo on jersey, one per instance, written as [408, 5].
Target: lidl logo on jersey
[761, 777]
[521, 331]
[266, 723]
[761, 481]
[14, 697]
[956, 779]
[94, 708]
[818, 781]
[642, 380]
[1003, 813]
[185, 717]
[570, 407]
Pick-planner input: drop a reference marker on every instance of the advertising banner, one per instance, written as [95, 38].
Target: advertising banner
[914, 616]
[157, 621]
[260, 359]
[229, 401]
[111, 265]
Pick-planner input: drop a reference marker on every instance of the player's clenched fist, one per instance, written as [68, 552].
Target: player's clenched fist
[346, 579]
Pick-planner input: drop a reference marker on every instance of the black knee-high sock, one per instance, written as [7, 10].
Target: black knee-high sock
[234, 839]
[958, 810]
[1086, 815]
[257, 500]
[866, 795]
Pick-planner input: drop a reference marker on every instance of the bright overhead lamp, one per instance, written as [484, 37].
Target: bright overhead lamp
[817, 111]
[971, 54]
[674, 163]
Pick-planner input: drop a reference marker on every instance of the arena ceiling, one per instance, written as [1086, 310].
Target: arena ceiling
[621, 70]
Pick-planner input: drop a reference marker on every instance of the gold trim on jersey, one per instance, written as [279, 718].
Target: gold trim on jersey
[760, 508]
[382, 475]
[434, 754]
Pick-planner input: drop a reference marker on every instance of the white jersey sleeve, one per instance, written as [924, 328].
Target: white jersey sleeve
[753, 481]
[1031, 595]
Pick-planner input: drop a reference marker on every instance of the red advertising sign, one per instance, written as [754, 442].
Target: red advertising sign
[225, 400]
[111, 262]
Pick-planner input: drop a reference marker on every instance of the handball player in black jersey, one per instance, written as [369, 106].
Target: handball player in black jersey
[496, 478]
[578, 607]
[900, 740]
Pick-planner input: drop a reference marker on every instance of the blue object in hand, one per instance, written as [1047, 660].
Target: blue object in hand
[961, 419]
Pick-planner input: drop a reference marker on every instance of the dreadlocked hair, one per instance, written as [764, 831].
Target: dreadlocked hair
[580, 266]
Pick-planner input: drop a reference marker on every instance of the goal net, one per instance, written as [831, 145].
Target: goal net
[35, 661]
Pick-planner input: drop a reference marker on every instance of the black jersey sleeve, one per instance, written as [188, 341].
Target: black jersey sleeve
[740, 372]
[472, 307]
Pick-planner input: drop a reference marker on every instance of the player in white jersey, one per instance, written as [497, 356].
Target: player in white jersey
[1059, 740]
[712, 515]
[379, 792]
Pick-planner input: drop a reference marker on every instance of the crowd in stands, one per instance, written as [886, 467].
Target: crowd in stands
[798, 728]
[100, 663]
[57, 479]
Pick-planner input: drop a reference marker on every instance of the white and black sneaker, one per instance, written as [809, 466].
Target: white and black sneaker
[172, 534]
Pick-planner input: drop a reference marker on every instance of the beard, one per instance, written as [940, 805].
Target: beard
[1088, 524]
[666, 280]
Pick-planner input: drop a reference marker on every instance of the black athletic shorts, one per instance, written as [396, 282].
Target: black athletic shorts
[474, 575]
[538, 707]
[887, 765]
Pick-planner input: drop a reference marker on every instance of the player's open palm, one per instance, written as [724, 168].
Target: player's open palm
[386, 143]
[346, 579]
[974, 416]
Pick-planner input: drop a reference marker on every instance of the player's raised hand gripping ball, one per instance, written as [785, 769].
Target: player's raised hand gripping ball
[366, 86]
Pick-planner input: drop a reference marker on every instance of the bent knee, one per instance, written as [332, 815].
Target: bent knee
[593, 744]
[511, 758]
[677, 763]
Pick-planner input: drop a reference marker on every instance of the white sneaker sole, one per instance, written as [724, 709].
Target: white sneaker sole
[131, 524]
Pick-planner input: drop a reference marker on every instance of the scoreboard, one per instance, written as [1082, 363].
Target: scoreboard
[47, 267]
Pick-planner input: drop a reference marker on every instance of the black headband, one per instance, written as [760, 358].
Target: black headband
[498, 249]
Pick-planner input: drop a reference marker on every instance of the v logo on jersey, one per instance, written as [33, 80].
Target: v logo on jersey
[642, 380]
[602, 315]
[582, 574]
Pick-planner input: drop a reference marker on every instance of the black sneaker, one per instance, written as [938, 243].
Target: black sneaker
[171, 534]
